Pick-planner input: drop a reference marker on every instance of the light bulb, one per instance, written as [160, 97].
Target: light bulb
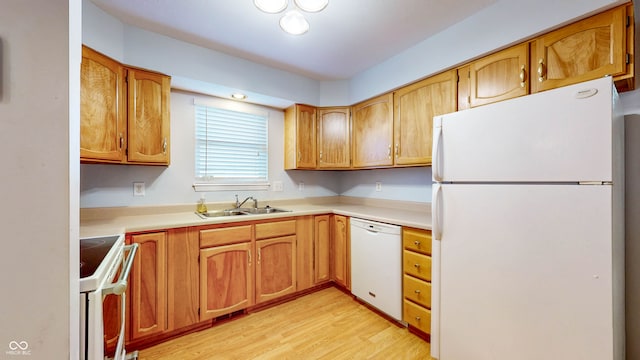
[271, 6]
[312, 5]
[294, 23]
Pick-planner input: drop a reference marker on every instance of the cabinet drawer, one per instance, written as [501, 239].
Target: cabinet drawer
[417, 290]
[417, 265]
[417, 316]
[227, 235]
[417, 240]
[275, 229]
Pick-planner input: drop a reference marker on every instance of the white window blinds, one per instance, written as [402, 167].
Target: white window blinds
[231, 146]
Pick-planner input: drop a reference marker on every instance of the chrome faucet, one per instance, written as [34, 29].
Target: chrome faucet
[239, 204]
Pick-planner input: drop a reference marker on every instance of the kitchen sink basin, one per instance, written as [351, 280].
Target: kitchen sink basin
[241, 211]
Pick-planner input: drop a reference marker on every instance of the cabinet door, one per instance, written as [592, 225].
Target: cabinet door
[276, 268]
[226, 279]
[414, 108]
[340, 249]
[103, 115]
[148, 285]
[182, 278]
[585, 50]
[500, 76]
[148, 120]
[300, 137]
[304, 252]
[373, 132]
[334, 145]
[322, 235]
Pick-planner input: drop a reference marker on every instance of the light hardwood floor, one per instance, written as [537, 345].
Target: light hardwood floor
[327, 324]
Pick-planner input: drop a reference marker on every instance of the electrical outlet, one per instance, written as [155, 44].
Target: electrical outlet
[277, 186]
[138, 189]
[378, 186]
[301, 186]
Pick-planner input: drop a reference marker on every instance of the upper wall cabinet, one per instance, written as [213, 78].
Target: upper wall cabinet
[499, 76]
[334, 138]
[124, 113]
[372, 137]
[300, 137]
[148, 99]
[585, 50]
[414, 108]
[103, 117]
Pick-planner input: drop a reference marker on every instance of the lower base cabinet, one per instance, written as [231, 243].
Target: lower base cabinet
[416, 278]
[275, 268]
[340, 247]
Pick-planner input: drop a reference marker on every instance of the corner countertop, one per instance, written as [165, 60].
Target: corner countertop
[107, 221]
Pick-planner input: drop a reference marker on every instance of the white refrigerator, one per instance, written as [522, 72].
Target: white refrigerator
[528, 228]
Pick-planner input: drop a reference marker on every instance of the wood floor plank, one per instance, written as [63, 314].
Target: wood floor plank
[327, 324]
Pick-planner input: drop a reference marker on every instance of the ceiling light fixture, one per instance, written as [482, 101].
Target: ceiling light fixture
[293, 22]
[238, 96]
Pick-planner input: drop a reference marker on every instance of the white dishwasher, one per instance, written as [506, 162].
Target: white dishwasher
[376, 265]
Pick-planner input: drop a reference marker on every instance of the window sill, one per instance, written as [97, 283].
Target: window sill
[202, 187]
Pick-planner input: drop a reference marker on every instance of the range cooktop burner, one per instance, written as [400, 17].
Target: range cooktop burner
[92, 252]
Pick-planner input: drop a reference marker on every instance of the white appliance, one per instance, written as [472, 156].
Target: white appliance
[528, 228]
[101, 260]
[376, 265]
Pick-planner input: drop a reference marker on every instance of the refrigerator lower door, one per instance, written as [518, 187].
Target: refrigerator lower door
[524, 272]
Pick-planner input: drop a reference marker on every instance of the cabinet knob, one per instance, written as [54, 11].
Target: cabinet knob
[417, 243]
[121, 141]
[417, 291]
[320, 155]
[523, 75]
[397, 150]
[389, 152]
[417, 318]
[417, 266]
[164, 146]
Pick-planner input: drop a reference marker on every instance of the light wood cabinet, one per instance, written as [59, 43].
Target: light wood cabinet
[372, 132]
[124, 112]
[321, 239]
[305, 258]
[148, 117]
[226, 279]
[499, 76]
[340, 255]
[148, 277]
[275, 268]
[300, 137]
[183, 274]
[585, 50]
[415, 106]
[103, 117]
[416, 278]
[334, 138]
[226, 269]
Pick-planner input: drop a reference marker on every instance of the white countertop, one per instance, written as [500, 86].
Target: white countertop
[98, 222]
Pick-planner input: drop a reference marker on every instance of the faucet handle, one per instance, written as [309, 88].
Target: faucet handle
[237, 201]
[255, 203]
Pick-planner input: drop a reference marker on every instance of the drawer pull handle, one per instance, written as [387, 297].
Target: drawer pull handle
[417, 318]
[417, 266]
[417, 291]
[417, 243]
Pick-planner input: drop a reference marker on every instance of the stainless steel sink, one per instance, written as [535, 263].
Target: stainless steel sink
[241, 211]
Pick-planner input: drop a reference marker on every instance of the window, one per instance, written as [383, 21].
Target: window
[231, 149]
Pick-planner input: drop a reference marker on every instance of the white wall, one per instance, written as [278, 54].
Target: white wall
[504, 23]
[39, 127]
[112, 185]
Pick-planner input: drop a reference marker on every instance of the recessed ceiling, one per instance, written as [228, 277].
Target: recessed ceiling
[346, 38]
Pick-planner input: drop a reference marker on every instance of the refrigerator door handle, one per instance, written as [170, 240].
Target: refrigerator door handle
[437, 150]
[437, 212]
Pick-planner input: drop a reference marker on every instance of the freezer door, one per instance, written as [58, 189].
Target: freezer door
[523, 272]
[558, 135]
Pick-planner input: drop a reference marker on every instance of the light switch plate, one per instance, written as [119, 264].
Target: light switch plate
[277, 186]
